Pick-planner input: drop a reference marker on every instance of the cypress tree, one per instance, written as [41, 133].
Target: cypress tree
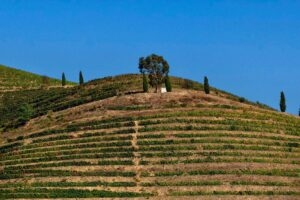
[282, 102]
[81, 81]
[206, 85]
[299, 112]
[63, 79]
[168, 84]
[145, 83]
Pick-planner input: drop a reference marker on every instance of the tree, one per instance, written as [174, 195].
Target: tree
[299, 112]
[282, 102]
[63, 79]
[206, 85]
[81, 81]
[156, 67]
[168, 84]
[145, 83]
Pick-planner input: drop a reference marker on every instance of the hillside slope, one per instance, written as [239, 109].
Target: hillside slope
[41, 101]
[181, 144]
[12, 79]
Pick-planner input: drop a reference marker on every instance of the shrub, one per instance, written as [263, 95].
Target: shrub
[242, 100]
[25, 113]
[292, 144]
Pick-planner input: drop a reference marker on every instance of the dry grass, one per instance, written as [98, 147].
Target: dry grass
[180, 101]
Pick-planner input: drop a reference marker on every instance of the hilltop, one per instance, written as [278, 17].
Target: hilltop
[59, 98]
[107, 138]
[12, 79]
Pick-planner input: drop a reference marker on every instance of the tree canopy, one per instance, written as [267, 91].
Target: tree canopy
[156, 67]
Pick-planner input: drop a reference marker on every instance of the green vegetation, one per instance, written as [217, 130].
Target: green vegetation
[197, 183]
[64, 193]
[206, 85]
[13, 79]
[25, 113]
[145, 83]
[168, 84]
[43, 101]
[171, 146]
[240, 193]
[69, 184]
[282, 103]
[138, 148]
[56, 99]
[63, 79]
[156, 67]
[81, 80]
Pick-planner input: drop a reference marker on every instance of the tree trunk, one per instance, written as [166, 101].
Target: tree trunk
[158, 88]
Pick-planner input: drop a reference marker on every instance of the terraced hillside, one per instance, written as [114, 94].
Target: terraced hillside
[13, 79]
[42, 101]
[182, 144]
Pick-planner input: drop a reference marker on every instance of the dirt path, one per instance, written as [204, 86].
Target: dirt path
[137, 156]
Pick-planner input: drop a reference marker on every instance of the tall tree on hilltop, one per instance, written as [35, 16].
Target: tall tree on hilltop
[156, 68]
[145, 83]
[63, 79]
[206, 85]
[81, 81]
[282, 102]
[168, 84]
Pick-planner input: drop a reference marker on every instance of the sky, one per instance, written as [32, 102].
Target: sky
[249, 48]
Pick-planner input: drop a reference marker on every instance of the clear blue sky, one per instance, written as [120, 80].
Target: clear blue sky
[250, 48]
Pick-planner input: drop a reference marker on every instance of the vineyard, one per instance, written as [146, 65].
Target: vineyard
[13, 80]
[129, 144]
[42, 101]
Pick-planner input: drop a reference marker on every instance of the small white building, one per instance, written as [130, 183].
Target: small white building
[163, 90]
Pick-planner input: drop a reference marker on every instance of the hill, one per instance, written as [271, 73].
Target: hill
[12, 79]
[107, 139]
[59, 98]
